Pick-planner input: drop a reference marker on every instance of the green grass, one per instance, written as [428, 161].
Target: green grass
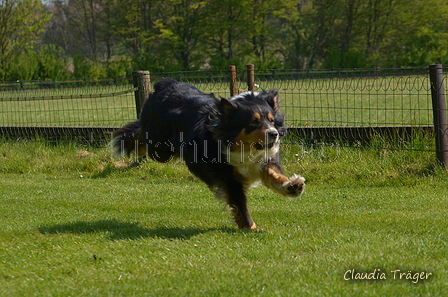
[74, 222]
[367, 101]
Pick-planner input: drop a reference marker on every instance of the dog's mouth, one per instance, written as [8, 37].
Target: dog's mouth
[260, 146]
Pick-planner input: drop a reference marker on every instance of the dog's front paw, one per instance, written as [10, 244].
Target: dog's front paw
[294, 186]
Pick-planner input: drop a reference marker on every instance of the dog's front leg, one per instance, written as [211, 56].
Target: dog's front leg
[233, 192]
[237, 201]
[228, 186]
[273, 178]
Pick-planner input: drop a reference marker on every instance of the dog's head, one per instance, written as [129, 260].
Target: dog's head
[250, 121]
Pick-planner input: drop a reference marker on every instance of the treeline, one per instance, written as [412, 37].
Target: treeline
[92, 38]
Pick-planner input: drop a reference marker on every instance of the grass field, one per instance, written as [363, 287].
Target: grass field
[368, 101]
[74, 222]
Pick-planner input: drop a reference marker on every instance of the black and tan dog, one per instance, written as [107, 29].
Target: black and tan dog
[230, 144]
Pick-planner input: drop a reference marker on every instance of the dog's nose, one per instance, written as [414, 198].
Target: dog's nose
[272, 134]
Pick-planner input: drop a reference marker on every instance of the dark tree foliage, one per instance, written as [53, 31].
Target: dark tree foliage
[66, 38]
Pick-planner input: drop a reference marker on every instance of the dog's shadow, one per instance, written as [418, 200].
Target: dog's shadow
[117, 230]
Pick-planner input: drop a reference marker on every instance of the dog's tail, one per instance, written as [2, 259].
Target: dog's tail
[127, 140]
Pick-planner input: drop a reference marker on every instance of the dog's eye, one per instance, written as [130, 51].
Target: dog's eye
[271, 120]
[255, 122]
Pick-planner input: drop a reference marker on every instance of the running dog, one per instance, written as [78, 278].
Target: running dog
[230, 144]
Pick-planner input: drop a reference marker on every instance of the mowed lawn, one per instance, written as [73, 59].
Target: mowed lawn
[74, 222]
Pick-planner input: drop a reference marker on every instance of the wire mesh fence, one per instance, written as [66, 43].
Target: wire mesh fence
[392, 111]
[350, 106]
[85, 103]
[390, 108]
[362, 101]
[69, 110]
[363, 97]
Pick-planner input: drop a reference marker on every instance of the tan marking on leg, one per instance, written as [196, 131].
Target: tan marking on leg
[254, 227]
[274, 179]
[277, 176]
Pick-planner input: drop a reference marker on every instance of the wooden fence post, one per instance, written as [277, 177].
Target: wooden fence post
[250, 77]
[232, 72]
[439, 113]
[142, 81]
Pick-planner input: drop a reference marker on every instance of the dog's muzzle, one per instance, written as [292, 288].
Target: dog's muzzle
[271, 138]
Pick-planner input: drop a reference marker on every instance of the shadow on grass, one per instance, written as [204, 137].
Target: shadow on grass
[122, 230]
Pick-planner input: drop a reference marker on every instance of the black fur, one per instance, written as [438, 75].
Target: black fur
[228, 144]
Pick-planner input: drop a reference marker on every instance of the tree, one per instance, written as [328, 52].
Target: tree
[290, 24]
[83, 17]
[21, 26]
[107, 37]
[131, 22]
[416, 34]
[266, 30]
[235, 32]
[178, 28]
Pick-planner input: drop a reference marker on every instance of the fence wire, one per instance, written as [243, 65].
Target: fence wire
[389, 108]
[79, 103]
[354, 107]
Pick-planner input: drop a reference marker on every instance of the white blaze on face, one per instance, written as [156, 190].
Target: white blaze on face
[243, 94]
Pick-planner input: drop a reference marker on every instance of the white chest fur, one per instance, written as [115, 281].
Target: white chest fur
[249, 164]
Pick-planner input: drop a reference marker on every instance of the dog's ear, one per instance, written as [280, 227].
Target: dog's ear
[227, 105]
[273, 99]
